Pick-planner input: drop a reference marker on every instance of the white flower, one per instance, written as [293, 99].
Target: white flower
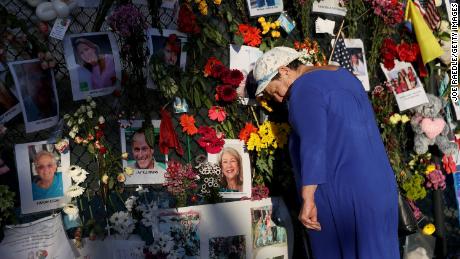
[80, 176]
[82, 109]
[66, 116]
[71, 210]
[74, 169]
[444, 26]
[81, 120]
[69, 123]
[88, 108]
[130, 202]
[75, 129]
[101, 119]
[161, 243]
[72, 134]
[92, 104]
[90, 114]
[88, 98]
[74, 191]
[122, 222]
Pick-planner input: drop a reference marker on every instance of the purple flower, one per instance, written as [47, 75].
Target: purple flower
[436, 180]
[127, 20]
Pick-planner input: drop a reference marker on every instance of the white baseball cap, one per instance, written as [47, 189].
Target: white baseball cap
[267, 66]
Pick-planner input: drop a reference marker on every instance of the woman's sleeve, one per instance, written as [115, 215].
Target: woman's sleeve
[308, 117]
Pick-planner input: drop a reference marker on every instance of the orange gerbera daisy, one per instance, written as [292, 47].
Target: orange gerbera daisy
[246, 131]
[250, 34]
[188, 124]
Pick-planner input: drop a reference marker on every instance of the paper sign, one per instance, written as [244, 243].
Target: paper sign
[44, 238]
[324, 26]
[329, 7]
[59, 28]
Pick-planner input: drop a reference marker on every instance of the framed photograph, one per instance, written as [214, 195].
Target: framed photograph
[268, 238]
[43, 180]
[148, 163]
[355, 48]
[264, 7]
[183, 227]
[227, 247]
[37, 94]
[168, 46]
[94, 64]
[236, 169]
[244, 59]
[406, 85]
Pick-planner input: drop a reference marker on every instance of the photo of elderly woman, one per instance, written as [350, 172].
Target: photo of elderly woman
[97, 66]
[93, 62]
[232, 170]
[47, 183]
[233, 160]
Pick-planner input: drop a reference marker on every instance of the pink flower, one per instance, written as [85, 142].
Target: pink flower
[217, 113]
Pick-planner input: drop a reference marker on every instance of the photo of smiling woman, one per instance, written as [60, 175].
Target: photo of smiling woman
[232, 170]
[94, 64]
[48, 182]
[97, 70]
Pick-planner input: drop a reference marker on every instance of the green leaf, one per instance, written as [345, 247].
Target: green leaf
[111, 182]
[233, 28]
[238, 40]
[263, 47]
[197, 99]
[229, 16]
[91, 149]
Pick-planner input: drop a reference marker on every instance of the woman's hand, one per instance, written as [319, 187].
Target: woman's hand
[308, 213]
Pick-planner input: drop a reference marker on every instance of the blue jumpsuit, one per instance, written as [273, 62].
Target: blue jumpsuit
[335, 144]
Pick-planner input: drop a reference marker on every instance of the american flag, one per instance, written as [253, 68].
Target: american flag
[430, 13]
[341, 54]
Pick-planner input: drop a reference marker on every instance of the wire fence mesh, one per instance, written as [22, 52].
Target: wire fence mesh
[82, 20]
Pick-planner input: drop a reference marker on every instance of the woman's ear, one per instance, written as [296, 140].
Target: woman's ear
[283, 70]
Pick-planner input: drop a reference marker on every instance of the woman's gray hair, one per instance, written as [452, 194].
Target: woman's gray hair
[237, 155]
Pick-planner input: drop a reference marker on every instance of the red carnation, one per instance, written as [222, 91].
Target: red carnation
[209, 140]
[226, 93]
[407, 52]
[99, 134]
[232, 77]
[218, 70]
[187, 20]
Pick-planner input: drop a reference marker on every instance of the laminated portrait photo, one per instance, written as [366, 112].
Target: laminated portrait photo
[9, 103]
[168, 47]
[235, 168]
[94, 64]
[183, 226]
[271, 229]
[357, 60]
[406, 86]
[148, 164]
[43, 177]
[264, 7]
[37, 94]
[244, 59]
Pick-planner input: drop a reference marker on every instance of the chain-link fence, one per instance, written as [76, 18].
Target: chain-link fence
[82, 20]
